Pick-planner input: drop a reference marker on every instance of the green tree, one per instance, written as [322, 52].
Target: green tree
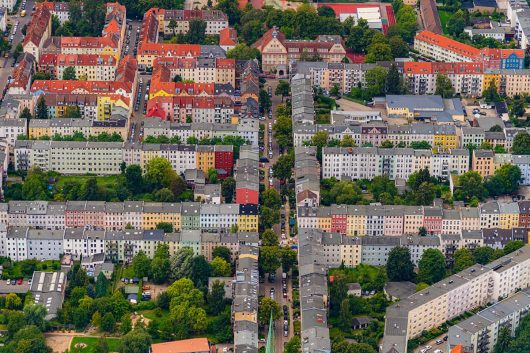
[160, 264]
[216, 298]
[393, 81]
[141, 264]
[197, 31]
[399, 266]
[180, 264]
[463, 259]
[108, 323]
[503, 341]
[213, 178]
[444, 86]
[269, 238]
[243, 52]
[69, 73]
[456, 23]
[220, 267]
[345, 315]
[271, 198]
[289, 258]
[283, 89]
[269, 217]
[228, 188]
[521, 143]
[265, 103]
[283, 168]
[513, 245]
[376, 80]
[223, 252]
[231, 9]
[483, 255]
[380, 185]
[136, 341]
[399, 48]
[505, 180]
[158, 172]
[269, 258]
[72, 112]
[431, 267]
[165, 226]
[41, 110]
[126, 323]
[420, 145]
[26, 114]
[491, 93]
[387, 144]
[347, 141]
[471, 185]
[283, 130]
[518, 107]
[378, 52]
[89, 190]
[34, 187]
[35, 315]
[133, 179]
[28, 339]
[102, 285]
[266, 306]
[326, 11]
[293, 345]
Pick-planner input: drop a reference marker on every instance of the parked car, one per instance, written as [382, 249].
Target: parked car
[8, 282]
[19, 281]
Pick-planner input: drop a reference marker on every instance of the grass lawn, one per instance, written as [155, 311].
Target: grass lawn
[45, 266]
[444, 17]
[91, 342]
[151, 314]
[106, 181]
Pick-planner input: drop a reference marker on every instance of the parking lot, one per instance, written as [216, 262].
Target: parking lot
[437, 345]
[14, 288]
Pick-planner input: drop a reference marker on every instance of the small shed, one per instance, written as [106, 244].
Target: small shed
[354, 289]
[361, 322]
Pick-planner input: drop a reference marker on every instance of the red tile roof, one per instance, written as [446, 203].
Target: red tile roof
[449, 44]
[93, 87]
[38, 26]
[227, 36]
[77, 60]
[426, 68]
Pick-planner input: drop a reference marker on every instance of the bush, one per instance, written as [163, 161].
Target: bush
[145, 305]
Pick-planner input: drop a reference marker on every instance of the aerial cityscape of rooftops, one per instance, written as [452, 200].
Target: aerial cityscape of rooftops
[265, 176]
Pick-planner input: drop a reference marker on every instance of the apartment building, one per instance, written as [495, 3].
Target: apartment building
[480, 332]
[246, 174]
[398, 163]
[38, 31]
[43, 244]
[444, 49]
[313, 292]
[88, 67]
[10, 129]
[49, 127]
[59, 9]
[22, 74]
[180, 109]
[172, 22]
[245, 301]
[248, 129]
[396, 220]
[307, 177]
[331, 74]
[277, 51]
[483, 162]
[138, 215]
[149, 47]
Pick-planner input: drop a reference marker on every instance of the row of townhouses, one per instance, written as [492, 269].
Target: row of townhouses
[374, 133]
[306, 176]
[21, 243]
[396, 220]
[312, 269]
[396, 163]
[474, 287]
[245, 300]
[246, 174]
[102, 215]
[247, 129]
[106, 158]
